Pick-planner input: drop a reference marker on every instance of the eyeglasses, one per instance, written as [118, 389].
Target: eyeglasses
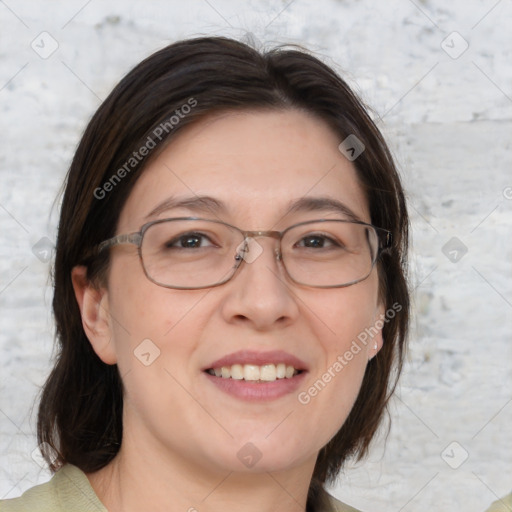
[189, 253]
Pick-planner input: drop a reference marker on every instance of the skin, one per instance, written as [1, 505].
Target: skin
[181, 433]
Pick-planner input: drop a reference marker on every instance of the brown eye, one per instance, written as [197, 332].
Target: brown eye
[317, 242]
[187, 241]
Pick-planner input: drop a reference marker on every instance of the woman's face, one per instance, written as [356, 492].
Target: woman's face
[256, 165]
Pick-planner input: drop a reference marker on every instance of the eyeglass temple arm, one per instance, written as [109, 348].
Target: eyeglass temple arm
[132, 238]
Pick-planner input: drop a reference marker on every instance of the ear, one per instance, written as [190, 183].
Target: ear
[94, 309]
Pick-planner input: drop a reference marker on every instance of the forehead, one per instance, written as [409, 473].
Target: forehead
[256, 165]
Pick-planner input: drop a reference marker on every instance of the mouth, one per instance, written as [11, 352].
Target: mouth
[252, 375]
[269, 372]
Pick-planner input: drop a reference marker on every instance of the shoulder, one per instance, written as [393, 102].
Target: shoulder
[502, 505]
[68, 490]
[337, 506]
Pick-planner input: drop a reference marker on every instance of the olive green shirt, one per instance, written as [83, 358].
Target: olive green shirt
[502, 505]
[69, 490]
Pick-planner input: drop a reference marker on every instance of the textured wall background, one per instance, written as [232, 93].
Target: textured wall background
[446, 109]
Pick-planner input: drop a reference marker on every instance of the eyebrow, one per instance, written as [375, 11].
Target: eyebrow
[204, 204]
[208, 204]
[325, 204]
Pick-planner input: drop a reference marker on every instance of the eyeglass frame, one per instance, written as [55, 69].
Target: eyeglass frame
[384, 237]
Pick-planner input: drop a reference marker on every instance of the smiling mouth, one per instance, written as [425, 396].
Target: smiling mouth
[255, 373]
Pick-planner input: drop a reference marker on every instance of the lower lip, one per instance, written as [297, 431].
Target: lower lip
[257, 391]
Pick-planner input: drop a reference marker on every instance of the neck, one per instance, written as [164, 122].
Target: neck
[134, 481]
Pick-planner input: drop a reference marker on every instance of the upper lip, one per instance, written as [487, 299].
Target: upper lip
[258, 358]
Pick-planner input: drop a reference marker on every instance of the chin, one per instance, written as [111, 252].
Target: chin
[263, 456]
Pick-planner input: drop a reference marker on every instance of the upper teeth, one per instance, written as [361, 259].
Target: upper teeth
[266, 372]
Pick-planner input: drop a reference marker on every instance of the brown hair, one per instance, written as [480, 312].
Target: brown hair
[80, 414]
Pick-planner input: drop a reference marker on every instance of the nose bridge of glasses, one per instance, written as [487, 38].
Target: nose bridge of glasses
[276, 235]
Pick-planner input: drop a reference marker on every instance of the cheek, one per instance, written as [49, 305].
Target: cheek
[345, 315]
[156, 332]
[147, 318]
[342, 325]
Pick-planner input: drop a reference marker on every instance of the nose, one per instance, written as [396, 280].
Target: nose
[259, 294]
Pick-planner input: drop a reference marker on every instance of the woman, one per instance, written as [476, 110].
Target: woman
[230, 292]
